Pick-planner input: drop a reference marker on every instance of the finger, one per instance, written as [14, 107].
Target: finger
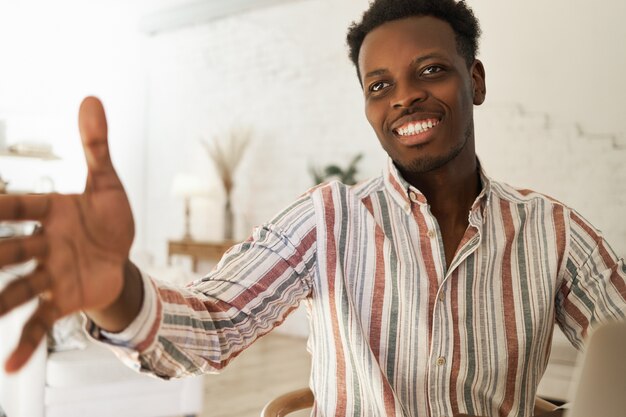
[24, 207]
[34, 330]
[21, 249]
[23, 289]
[94, 134]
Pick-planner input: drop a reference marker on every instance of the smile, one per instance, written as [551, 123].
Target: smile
[414, 128]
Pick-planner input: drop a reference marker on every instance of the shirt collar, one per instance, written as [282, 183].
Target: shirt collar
[405, 194]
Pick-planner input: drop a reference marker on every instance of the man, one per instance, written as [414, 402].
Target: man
[432, 290]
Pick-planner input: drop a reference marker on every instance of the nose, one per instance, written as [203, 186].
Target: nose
[407, 94]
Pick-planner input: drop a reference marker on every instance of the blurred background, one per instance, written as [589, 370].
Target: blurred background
[172, 75]
[267, 85]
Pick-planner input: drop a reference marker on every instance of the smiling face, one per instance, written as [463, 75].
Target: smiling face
[419, 93]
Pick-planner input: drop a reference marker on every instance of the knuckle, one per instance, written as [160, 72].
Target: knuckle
[47, 205]
[41, 278]
[42, 324]
[41, 246]
[55, 314]
[45, 247]
[34, 332]
[20, 251]
[18, 208]
[28, 288]
[50, 312]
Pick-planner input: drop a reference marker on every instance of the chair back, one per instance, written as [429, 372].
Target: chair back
[288, 403]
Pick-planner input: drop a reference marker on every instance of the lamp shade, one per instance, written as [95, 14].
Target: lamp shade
[187, 185]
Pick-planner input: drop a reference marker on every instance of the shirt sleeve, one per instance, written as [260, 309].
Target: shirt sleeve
[200, 328]
[593, 290]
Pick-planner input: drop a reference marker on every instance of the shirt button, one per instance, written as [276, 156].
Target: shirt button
[441, 361]
[431, 234]
[441, 297]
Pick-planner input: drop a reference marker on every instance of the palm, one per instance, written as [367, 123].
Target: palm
[90, 237]
[82, 248]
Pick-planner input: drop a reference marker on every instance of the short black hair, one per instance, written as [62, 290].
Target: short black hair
[456, 13]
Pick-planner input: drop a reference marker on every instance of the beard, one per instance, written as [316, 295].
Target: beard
[430, 163]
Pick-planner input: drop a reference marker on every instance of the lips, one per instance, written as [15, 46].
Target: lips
[416, 127]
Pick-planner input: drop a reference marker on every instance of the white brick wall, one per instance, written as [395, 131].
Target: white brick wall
[531, 150]
[284, 71]
[270, 70]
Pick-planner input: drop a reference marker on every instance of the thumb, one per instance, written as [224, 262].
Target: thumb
[92, 125]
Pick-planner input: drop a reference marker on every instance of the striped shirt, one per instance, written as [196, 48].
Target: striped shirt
[393, 331]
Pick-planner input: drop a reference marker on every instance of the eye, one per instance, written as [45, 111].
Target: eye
[378, 86]
[431, 70]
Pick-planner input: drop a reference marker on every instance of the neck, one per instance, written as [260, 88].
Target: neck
[450, 189]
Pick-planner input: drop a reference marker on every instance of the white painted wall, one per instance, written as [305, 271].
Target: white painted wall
[273, 70]
[52, 54]
[562, 57]
[283, 70]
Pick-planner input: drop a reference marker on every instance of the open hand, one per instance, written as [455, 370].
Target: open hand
[81, 248]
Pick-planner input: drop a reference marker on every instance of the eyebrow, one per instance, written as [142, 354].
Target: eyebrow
[416, 61]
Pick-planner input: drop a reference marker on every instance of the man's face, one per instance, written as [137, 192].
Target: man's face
[419, 93]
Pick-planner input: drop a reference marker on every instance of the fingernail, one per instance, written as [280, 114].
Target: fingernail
[9, 368]
[11, 365]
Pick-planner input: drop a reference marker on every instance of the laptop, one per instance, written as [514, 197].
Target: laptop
[599, 385]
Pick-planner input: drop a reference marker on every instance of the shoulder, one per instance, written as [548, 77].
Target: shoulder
[548, 208]
[317, 202]
[335, 191]
[532, 208]
[524, 196]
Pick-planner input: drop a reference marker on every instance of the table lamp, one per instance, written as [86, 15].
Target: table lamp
[187, 186]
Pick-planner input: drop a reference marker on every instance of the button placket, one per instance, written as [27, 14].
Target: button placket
[437, 363]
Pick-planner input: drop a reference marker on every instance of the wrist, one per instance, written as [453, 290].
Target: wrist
[118, 315]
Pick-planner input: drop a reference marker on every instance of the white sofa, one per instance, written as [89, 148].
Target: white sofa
[92, 382]
[87, 382]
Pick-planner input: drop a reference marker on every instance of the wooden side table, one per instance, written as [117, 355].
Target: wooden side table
[197, 250]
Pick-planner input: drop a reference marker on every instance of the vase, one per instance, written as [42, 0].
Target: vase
[228, 220]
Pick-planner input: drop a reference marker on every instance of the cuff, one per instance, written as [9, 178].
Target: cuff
[140, 333]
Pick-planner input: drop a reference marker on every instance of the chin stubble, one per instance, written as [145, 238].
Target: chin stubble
[427, 164]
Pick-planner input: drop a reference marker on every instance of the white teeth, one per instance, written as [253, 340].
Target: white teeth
[418, 127]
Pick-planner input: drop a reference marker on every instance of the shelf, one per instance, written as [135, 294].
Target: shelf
[45, 156]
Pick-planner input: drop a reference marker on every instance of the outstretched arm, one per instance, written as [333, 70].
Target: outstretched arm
[81, 249]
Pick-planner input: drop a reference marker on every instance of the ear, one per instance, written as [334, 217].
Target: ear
[478, 82]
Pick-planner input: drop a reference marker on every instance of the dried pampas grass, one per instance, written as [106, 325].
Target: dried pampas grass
[226, 152]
